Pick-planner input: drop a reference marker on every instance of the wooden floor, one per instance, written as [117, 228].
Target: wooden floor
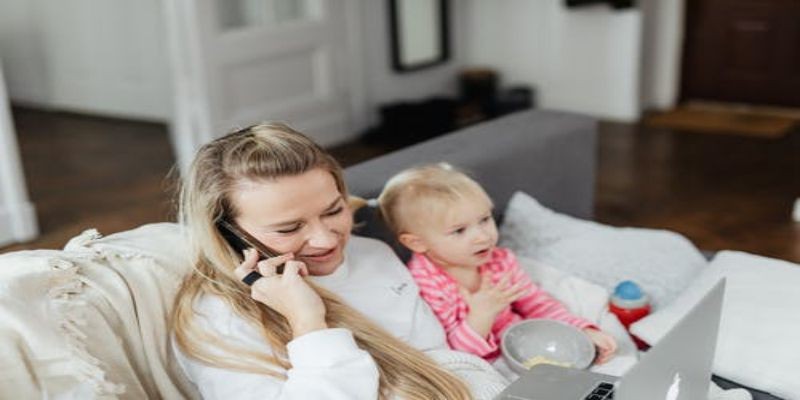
[84, 172]
[723, 192]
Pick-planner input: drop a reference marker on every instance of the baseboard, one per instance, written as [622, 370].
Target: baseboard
[18, 223]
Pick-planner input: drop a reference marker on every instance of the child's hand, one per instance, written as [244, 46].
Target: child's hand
[605, 343]
[489, 300]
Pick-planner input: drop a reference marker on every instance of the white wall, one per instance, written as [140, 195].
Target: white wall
[21, 47]
[17, 215]
[383, 84]
[98, 56]
[584, 59]
[662, 52]
[109, 56]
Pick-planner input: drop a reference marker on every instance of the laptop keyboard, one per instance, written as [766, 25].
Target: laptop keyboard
[603, 391]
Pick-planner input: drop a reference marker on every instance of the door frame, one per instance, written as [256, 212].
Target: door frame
[17, 214]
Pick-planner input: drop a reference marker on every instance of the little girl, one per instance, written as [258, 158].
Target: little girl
[476, 289]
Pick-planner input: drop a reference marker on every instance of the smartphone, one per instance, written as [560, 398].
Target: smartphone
[240, 240]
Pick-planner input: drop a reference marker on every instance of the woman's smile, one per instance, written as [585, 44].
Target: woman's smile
[319, 256]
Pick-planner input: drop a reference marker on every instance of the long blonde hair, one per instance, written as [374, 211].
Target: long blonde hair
[269, 151]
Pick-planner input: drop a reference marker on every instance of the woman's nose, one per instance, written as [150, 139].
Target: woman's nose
[322, 236]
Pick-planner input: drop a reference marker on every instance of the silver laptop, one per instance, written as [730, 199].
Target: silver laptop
[678, 367]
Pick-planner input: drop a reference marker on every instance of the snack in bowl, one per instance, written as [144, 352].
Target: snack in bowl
[536, 360]
[536, 341]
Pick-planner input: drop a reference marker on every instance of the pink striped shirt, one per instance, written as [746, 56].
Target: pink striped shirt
[440, 291]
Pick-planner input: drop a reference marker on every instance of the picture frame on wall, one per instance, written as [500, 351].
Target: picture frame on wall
[419, 33]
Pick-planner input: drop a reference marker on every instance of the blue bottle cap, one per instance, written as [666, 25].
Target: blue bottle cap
[629, 295]
[628, 290]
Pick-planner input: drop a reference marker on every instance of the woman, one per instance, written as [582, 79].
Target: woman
[305, 328]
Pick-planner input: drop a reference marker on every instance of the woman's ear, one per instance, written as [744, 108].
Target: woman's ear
[413, 242]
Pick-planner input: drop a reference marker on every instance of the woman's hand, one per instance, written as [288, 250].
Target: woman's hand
[605, 343]
[489, 300]
[288, 293]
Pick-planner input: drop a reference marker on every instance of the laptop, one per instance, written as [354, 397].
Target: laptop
[678, 367]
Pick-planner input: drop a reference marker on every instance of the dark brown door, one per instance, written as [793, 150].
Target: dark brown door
[742, 51]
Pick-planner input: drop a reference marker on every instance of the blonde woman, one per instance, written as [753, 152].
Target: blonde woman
[332, 316]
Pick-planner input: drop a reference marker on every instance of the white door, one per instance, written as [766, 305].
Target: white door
[239, 62]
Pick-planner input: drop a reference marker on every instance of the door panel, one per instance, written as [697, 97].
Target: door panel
[257, 60]
[743, 51]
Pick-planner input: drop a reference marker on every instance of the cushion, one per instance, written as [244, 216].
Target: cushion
[757, 344]
[95, 322]
[662, 262]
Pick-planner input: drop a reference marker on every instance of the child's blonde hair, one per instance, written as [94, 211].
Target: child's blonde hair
[424, 192]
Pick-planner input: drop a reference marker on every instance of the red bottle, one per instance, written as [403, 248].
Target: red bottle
[630, 304]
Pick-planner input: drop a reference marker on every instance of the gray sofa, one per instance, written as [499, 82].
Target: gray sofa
[549, 155]
[89, 321]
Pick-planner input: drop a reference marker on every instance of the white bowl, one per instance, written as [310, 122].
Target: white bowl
[553, 340]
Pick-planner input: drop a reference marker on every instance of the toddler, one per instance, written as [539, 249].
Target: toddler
[476, 289]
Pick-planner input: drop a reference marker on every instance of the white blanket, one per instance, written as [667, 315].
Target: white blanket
[90, 322]
[757, 344]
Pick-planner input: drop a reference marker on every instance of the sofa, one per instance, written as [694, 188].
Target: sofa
[90, 321]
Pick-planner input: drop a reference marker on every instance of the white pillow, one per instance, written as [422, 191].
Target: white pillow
[662, 262]
[583, 298]
[757, 344]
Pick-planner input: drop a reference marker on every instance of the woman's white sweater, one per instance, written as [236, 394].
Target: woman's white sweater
[327, 364]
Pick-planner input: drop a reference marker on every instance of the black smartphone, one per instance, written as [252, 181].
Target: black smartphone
[240, 240]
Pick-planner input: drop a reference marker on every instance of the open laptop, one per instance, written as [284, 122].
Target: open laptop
[678, 367]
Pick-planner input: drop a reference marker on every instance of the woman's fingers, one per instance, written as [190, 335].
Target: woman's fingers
[303, 269]
[269, 267]
[290, 295]
[293, 268]
[248, 265]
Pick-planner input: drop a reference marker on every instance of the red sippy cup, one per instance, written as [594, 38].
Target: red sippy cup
[630, 304]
